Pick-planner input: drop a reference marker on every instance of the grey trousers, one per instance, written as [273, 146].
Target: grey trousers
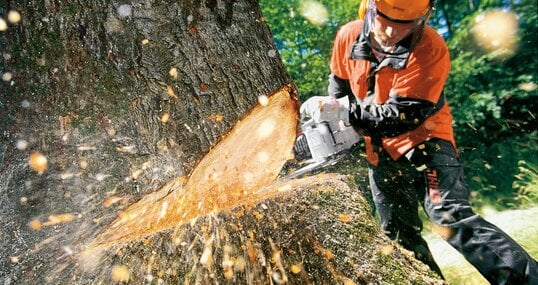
[432, 175]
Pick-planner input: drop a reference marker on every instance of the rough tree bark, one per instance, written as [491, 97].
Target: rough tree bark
[122, 97]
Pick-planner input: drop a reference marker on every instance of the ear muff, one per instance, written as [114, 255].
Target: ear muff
[363, 7]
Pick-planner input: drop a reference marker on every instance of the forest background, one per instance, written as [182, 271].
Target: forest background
[492, 86]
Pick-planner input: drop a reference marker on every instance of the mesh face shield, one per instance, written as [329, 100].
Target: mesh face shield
[383, 33]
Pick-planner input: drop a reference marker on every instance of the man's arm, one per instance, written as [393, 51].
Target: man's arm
[338, 87]
[397, 116]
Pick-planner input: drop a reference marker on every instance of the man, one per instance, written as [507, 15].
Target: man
[393, 67]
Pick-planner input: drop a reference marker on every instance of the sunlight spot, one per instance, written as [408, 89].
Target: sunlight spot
[3, 25]
[248, 177]
[529, 86]
[21, 144]
[262, 157]
[14, 259]
[314, 12]
[266, 128]
[38, 162]
[14, 17]
[263, 100]
[173, 72]
[496, 32]
[271, 53]
[101, 176]
[120, 273]
[488, 211]
[124, 10]
[7, 76]
[35, 225]
[83, 164]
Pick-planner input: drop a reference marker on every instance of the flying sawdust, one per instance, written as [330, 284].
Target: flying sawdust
[244, 161]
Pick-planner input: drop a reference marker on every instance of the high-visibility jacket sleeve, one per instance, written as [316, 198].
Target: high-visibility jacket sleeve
[340, 52]
[339, 85]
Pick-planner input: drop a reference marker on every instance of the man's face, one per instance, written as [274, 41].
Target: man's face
[387, 33]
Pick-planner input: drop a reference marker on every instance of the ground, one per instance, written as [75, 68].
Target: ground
[519, 224]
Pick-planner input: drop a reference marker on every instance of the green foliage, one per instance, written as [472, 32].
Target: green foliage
[503, 173]
[487, 94]
[526, 183]
[305, 47]
[493, 103]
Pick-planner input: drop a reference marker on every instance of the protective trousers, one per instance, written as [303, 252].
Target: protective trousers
[432, 174]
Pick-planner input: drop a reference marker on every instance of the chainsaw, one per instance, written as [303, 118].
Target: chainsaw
[326, 133]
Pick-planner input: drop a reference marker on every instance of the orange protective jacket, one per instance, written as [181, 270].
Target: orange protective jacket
[399, 99]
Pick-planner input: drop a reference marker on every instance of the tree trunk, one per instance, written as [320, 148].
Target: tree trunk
[119, 99]
[90, 68]
[104, 102]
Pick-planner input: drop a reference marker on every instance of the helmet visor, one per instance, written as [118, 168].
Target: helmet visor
[383, 32]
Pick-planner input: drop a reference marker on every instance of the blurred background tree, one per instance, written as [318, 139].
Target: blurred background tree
[303, 31]
[492, 87]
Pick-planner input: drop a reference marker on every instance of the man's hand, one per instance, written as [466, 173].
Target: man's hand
[326, 108]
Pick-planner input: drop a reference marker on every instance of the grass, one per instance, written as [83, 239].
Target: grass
[519, 224]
